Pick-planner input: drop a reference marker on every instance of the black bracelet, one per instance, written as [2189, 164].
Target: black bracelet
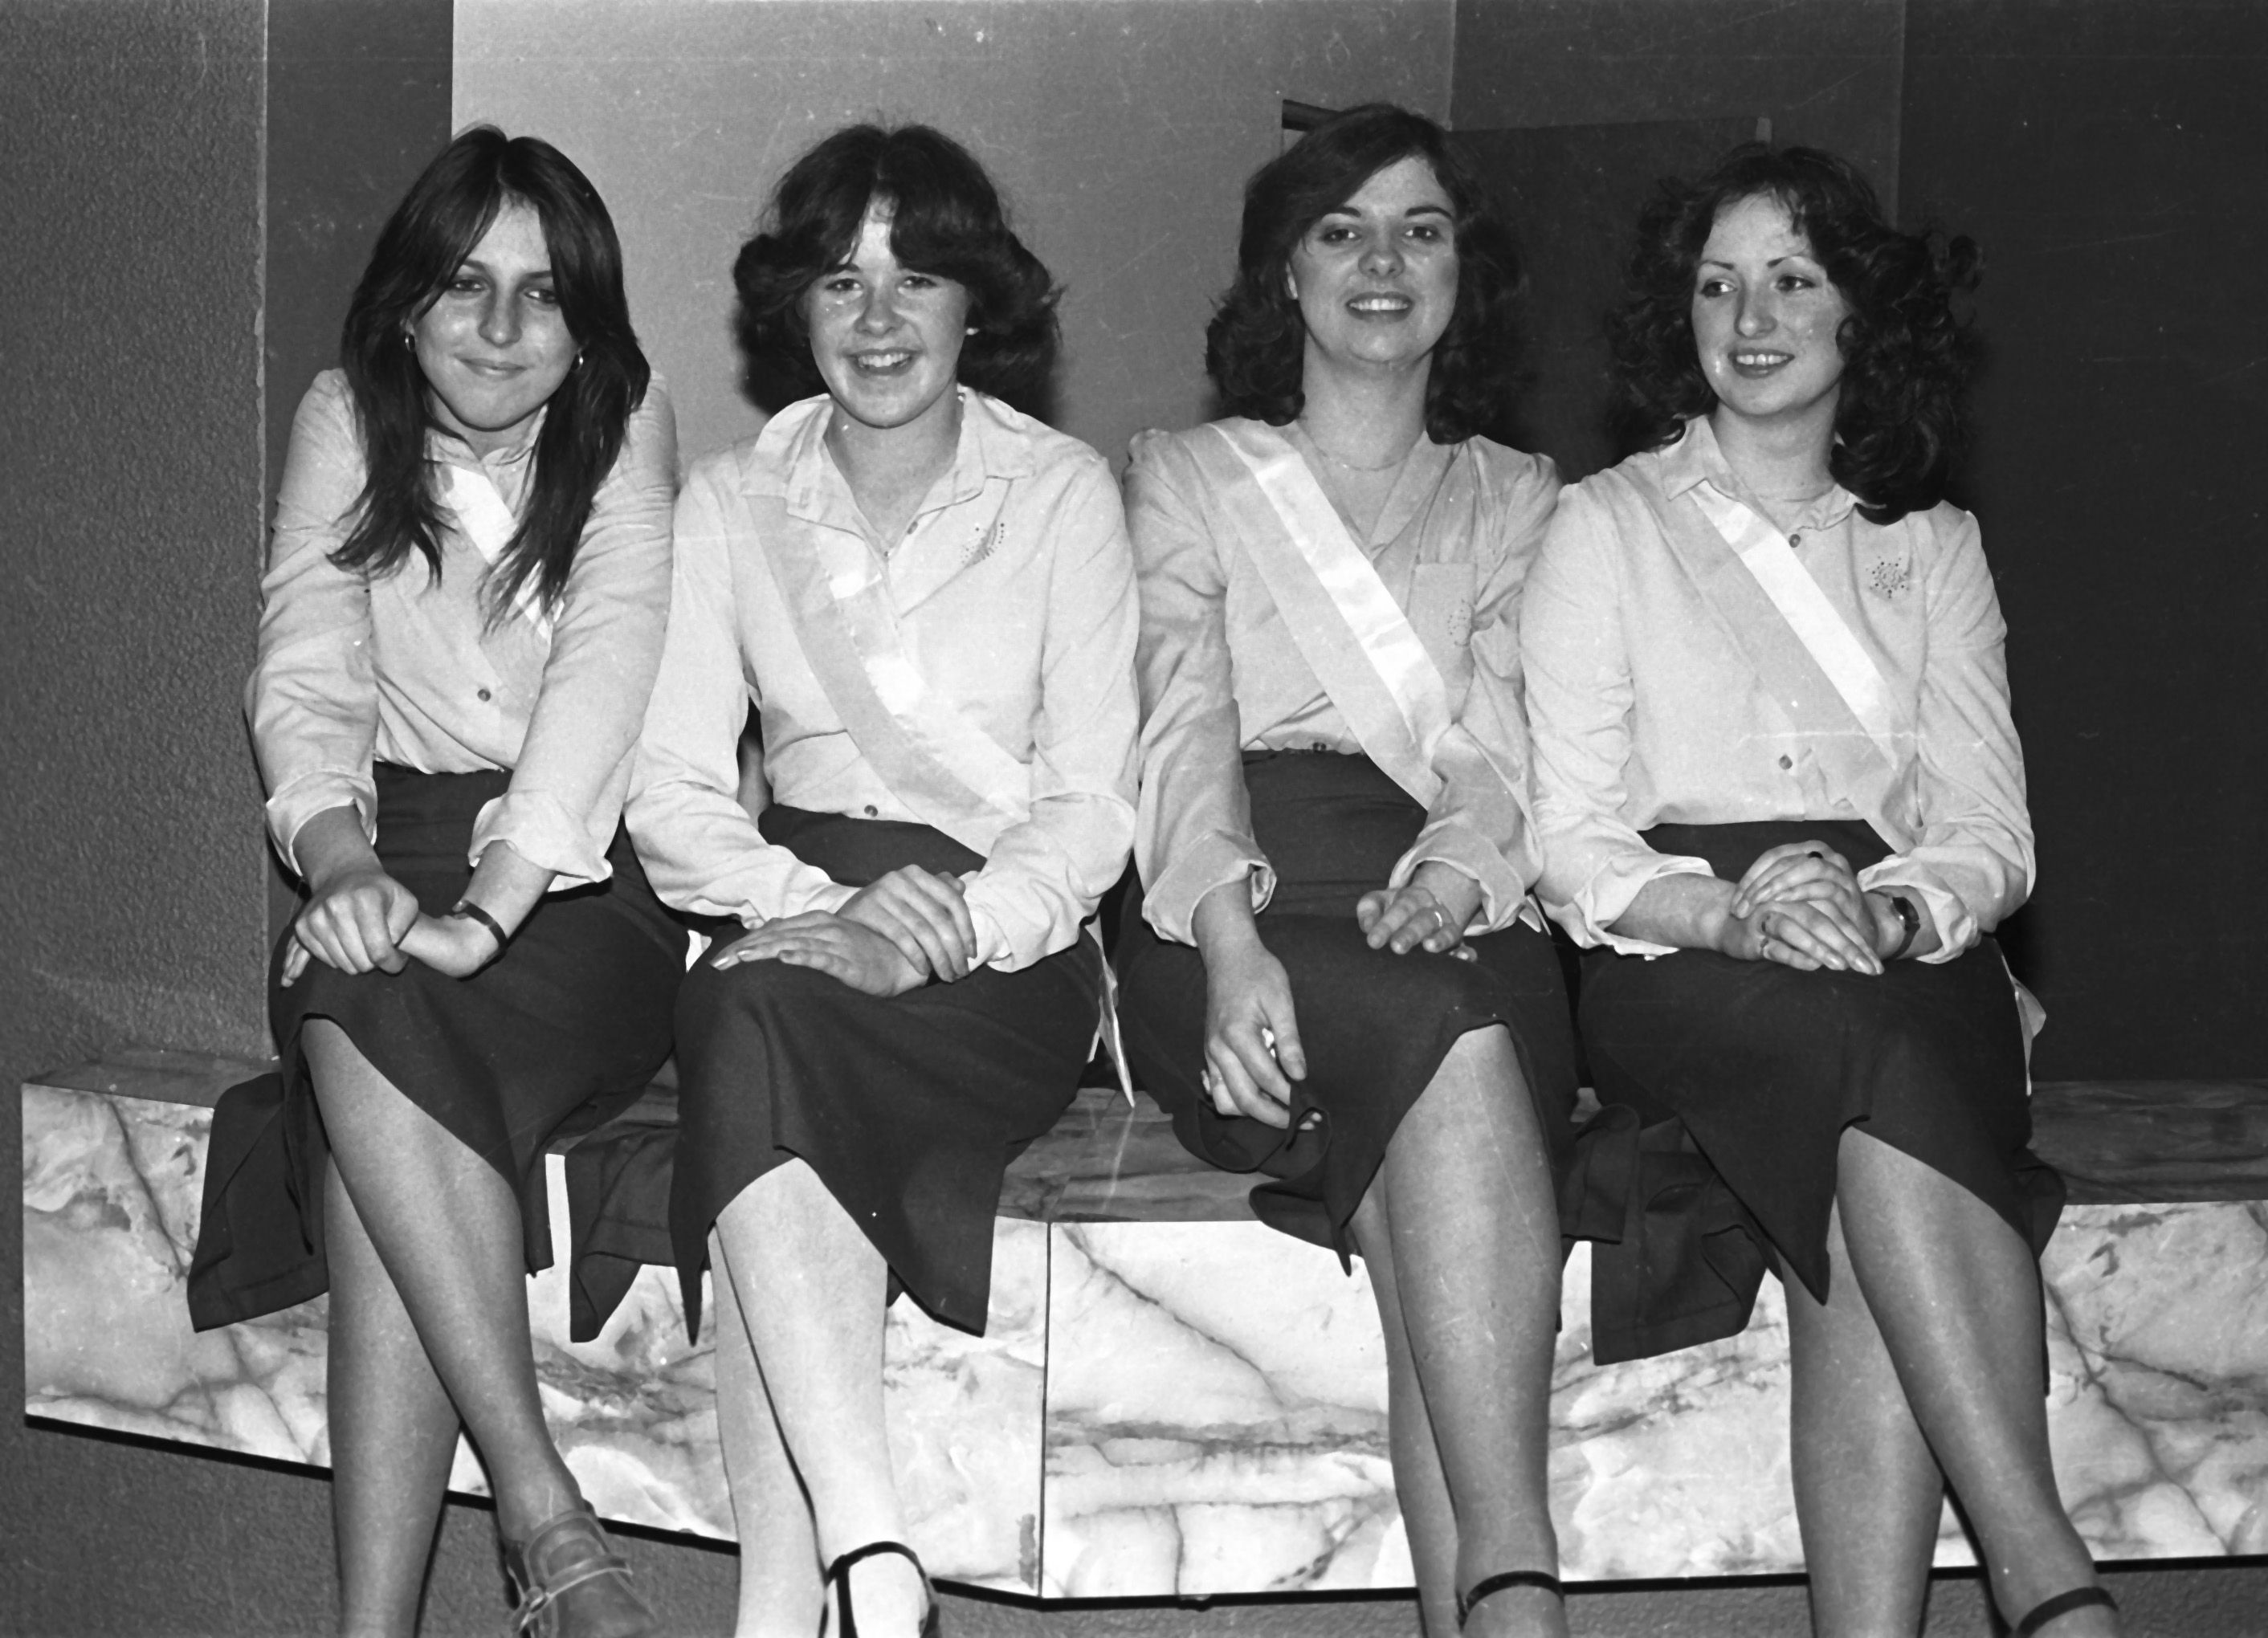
[1909, 918]
[466, 910]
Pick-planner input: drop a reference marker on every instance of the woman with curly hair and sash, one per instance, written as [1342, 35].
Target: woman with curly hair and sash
[1782, 804]
[461, 620]
[1336, 977]
[927, 599]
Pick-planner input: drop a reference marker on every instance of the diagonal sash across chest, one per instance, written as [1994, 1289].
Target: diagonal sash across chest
[1349, 630]
[1802, 651]
[936, 759]
[485, 519]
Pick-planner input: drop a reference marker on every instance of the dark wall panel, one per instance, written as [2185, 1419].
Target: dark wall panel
[2108, 154]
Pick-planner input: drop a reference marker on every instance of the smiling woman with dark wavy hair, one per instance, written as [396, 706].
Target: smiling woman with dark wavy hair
[1336, 979]
[1907, 355]
[1783, 809]
[1255, 344]
[946, 219]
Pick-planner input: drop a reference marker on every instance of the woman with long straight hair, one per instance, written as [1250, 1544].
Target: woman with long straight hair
[925, 600]
[1782, 804]
[461, 619]
[1336, 977]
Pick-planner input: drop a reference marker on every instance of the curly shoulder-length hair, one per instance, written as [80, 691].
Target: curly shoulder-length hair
[1255, 345]
[1907, 355]
[946, 219]
[423, 243]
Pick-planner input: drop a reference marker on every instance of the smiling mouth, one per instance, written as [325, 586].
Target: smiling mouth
[1759, 364]
[1382, 305]
[493, 372]
[888, 362]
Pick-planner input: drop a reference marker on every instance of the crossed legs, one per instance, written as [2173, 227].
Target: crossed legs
[1923, 1367]
[1460, 1234]
[799, 1342]
[429, 1325]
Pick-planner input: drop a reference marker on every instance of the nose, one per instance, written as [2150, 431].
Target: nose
[499, 317]
[1756, 314]
[1382, 254]
[878, 311]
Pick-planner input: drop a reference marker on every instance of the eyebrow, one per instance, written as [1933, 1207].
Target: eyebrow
[1427, 209]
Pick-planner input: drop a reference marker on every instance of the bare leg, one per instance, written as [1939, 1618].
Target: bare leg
[810, 1289]
[1461, 1222]
[780, 1592]
[394, 1434]
[1867, 1491]
[446, 1231]
[1956, 1292]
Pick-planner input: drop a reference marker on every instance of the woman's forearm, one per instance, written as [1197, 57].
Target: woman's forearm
[1685, 912]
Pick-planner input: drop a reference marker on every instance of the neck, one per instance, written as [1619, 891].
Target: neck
[1364, 419]
[881, 463]
[1779, 460]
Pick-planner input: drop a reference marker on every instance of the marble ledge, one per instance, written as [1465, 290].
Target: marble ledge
[1185, 1408]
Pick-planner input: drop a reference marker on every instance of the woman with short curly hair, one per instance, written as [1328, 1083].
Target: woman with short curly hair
[1336, 977]
[1782, 806]
[926, 601]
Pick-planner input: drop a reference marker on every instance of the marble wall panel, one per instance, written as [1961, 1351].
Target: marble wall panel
[112, 1186]
[1178, 1408]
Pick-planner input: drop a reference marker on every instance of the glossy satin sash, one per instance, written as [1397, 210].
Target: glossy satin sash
[1807, 659]
[487, 521]
[944, 768]
[1349, 629]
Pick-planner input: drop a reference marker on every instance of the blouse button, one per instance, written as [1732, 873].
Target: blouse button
[873, 811]
[1796, 540]
[1787, 762]
[484, 693]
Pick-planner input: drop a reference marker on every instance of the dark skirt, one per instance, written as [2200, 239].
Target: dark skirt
[1376, 1025]
[1728, 1086]
[563, 1030]
[908, 1107]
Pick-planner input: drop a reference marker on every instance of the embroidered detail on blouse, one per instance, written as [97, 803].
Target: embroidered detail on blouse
[1889, 578]
[987, 542]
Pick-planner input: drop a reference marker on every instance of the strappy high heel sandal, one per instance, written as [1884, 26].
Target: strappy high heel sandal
[838, 1573]
[570, 1582]
[1490, 1585]
[2063, 1604]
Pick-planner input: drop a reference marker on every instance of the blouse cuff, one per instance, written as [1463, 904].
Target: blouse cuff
[543, 833]
[1501, 891]
[319, 790]
[1602, 901]
[1171, 905]
[1956, 927]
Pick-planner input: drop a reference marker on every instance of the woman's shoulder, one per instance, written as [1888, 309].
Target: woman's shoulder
[1514, 473]
[328, 404]
[1052, 451]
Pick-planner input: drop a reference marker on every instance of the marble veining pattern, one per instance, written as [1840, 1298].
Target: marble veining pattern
[1189, 1406]
[111, 1187]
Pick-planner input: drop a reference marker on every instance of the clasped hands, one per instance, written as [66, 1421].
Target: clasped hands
[897, 933]
[362, 920]
[1252, 1046]
[1800, 905]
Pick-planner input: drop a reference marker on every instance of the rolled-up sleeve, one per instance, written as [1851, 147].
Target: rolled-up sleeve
[1044, 877]
[1973, 862]
[313, 696]
[701, 849]
[1483, 823]
[1193, 829]
[1579, 700]
[574, 766]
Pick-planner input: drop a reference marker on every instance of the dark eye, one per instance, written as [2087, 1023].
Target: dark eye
[1713, 286]
[543, 296]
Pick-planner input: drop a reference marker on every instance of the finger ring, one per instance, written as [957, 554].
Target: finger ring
[1441, 915]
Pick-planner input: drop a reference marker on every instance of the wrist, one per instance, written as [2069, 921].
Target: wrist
[1898, 923]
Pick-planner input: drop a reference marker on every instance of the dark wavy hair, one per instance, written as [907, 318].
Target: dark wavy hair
[1255, 344]
[426, 239]
[946, 219]
[1907, 355]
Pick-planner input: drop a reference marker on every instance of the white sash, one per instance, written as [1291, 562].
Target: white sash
[1764, 552]
[1354, 636]
[940, 764]
[485, 519]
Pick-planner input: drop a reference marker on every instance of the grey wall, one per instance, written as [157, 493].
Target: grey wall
[1121, 131]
